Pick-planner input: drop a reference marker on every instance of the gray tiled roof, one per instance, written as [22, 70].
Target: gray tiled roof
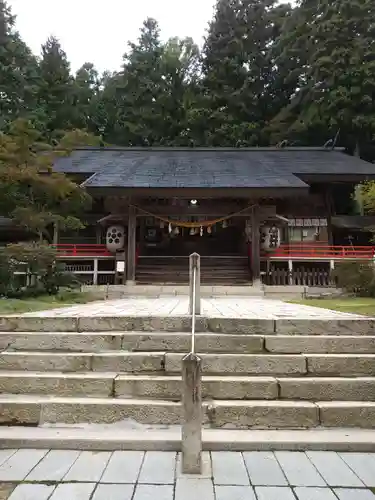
[210, 168]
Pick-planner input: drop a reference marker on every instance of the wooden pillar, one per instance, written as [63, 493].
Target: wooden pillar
[255, 245]
[330, 210]
[131, 253]
[55, 233]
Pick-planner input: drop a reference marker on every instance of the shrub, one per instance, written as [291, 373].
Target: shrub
[356, 278]
[42, 273]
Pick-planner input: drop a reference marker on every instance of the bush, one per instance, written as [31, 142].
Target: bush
[42, 273]
[357, 278]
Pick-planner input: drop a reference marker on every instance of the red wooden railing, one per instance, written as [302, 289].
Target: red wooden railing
[72, 250]
[322, 252]
[293, 251]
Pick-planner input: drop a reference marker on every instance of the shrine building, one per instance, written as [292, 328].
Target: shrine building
[272, 215]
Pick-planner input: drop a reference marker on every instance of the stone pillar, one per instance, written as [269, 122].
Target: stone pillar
[131, 253]
[95, 277]
[194, 262]
[192, 414]
[255, 245]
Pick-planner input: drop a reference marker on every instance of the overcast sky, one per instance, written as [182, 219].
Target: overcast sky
[98, 31]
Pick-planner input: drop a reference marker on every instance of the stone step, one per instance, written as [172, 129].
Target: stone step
[245, 325]
[37, 410]
[105, 438]
[280, 364]
[168, 387]
[130, 341]
[212, 363]
[180, 342]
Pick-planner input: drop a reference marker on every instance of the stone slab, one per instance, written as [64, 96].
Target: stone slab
[18, 466]
[363, 465]
[5, 455]
[333, 325]
[73, 491]
[274, 493]
[122, 361]
[189, 488]
[360, 414]
[328, 388]
[333, 469]
[32, 492]
[25, 411]
[57, 384]
[229, 469]
[113, 492]
[88, 467]
[54, 466]
[45, 361]
[213, 387]
[264, 469]
[60, 341]
[319, 344]
[123, 467]
[262, 414]
[341, 364]
[108, 411]
[314, 494]
[245, 363]
[298, 469]
[158, 468]
[234, 493]
[353, 494]
[153, 492]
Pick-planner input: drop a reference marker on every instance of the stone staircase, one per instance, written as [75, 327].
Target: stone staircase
[257, 374]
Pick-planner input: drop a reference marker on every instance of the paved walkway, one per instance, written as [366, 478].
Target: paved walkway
[122, 475]
[229, 307]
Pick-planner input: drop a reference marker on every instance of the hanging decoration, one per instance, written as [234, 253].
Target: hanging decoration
[192, 231]
[201, 231]
[170, 228]
[176, 231]
[209, 230]
[162, 224]
[196, 224]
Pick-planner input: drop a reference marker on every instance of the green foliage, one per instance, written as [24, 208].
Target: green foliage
[30, 193]
[18, 71]
[356, 278]
[41, 273]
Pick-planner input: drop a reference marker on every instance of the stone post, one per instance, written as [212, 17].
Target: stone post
[192, 414]
[290, 270]
[96, 267]
[195, 262]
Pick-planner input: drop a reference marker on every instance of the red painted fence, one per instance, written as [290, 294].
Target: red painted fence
[322, 252]
[293, 251]
[72, 250]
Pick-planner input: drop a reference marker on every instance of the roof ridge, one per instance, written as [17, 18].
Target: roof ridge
[207, 149]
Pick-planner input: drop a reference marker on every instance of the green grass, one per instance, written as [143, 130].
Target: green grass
[63, 299]
[356, 305]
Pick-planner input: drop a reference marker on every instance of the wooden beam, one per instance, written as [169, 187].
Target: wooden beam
[255, 245]
[131, 253]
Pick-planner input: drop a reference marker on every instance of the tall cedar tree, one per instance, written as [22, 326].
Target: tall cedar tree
[239, 82]
[18, 71]
[139, 93]
[56, 90]
[336, 44]
[86, 88]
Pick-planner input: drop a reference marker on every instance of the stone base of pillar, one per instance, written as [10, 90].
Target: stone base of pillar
[130, 282]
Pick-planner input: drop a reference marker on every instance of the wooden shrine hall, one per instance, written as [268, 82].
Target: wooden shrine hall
[250, 213]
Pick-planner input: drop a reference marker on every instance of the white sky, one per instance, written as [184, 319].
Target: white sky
[98, 32]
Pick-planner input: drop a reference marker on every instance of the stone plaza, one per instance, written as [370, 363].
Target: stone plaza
[134, 475]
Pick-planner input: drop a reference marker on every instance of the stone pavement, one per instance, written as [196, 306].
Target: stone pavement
[134, 475]
[227, 307]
